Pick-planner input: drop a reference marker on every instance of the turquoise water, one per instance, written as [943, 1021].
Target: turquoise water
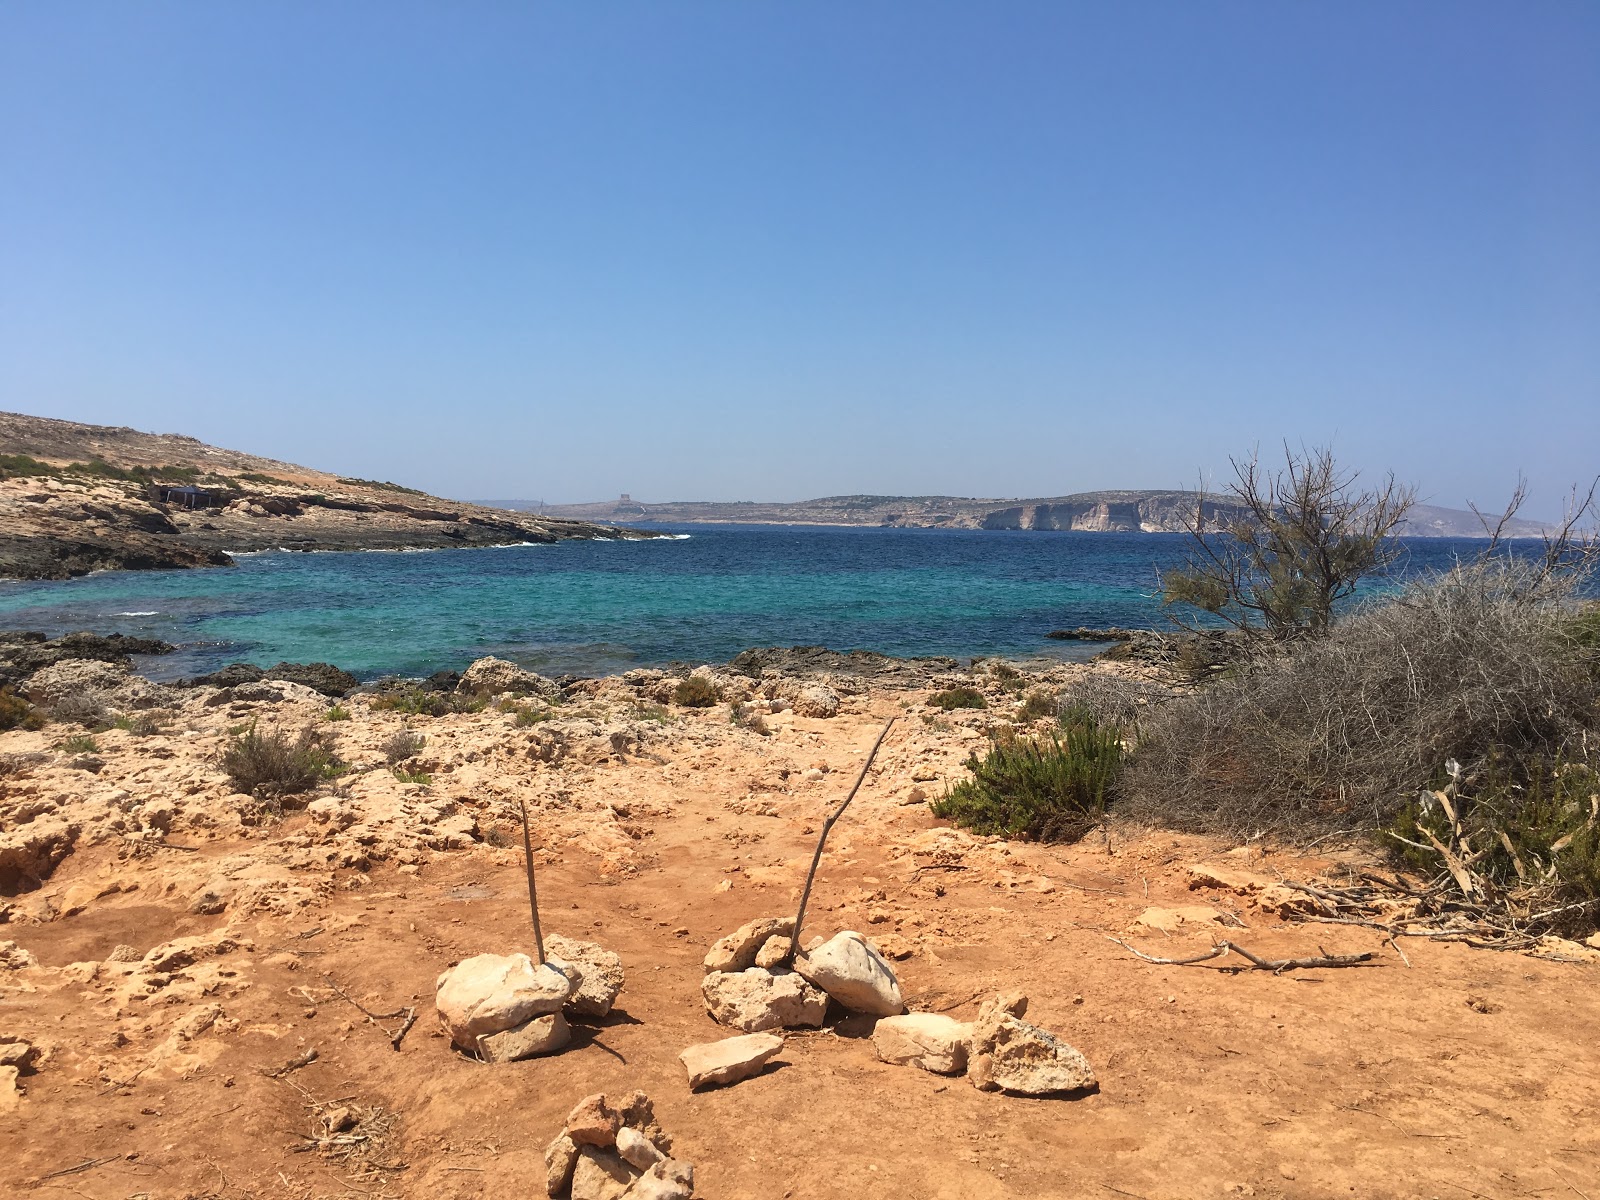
[598, 607]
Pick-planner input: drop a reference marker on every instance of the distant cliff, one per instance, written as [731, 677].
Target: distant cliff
[1149, 511]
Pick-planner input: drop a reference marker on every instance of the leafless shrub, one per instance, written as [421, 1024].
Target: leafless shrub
[1342, 732]
[87, 708]
[1111, 700]
[401, 745]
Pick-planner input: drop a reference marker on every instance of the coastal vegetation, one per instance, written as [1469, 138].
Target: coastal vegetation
[275, 765]
[696, 691]
[958, 697]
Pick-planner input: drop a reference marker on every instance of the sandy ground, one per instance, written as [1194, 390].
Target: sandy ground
[1468, 1073]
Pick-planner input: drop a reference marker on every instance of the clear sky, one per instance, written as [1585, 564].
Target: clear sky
[750, 250]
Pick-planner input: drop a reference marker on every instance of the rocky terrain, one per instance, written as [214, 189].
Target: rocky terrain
[1092, 512]
[78, 498]
[211, 993]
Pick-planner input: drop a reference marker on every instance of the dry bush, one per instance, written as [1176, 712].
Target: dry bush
[1343, 732]
[401, 745]
[1111, 700]
[82, 708]
[695, 692]
[273, 764]
[17, 713]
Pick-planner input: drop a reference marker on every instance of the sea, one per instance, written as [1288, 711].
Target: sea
[699, 594]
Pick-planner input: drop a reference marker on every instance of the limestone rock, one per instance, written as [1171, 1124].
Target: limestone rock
[758, 999]
[560, 1157]
[13, 957]
[10, 1093]
[669, 1179]
[73, 677]
[496, 676]
[850, 969]
[729, 1060]
[593, 1122]
[489, 993]
[928, 1040]
[600, 970]
[738, 951]
[601, 1175]
[639, 1112]
[814, 700]
[1013, 1055]
[636, 1149]
[535, 1036]
[774, 951]
[14, 1052]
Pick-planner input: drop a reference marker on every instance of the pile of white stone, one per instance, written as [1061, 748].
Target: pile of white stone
[748, 987]
[501, 1007]
[999, 1051]
[615, 1151]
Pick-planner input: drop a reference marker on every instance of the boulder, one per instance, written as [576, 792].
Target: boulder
[601, 1175]
[560, 1157]
[14, 1052]
[490, 993]
[928, 1040]
[1009, 1054]
[14, 958]
[729, 1060]
[758, 999]
[600, 970]
[593, 1122]
[535, 1036]
[738, 951]
[496, 676]
[636, 1149]
[318, 676]
[814, 700]
[73, 677]
[850, 969]
[231, 676]
[669, 1179]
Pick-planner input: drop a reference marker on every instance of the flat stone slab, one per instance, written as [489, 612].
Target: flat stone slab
[729, 1060]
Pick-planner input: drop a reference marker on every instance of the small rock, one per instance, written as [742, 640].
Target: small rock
[669, 1179]
[774, 951]
[737, 951]
[496, 676]
[560, 1157]
[759, 999]
[14, 1052]
[489, 993]
[636, 1149]
[337, 1120]
[729, 1060]
[850, 969]
[10, 1093]
[599, 971]
[814, 700]
[931, 1041]
[13, 957]
[535, 1036]
[1009, 1053]
[601, 1175]
[593, 1122]
[638, 1112]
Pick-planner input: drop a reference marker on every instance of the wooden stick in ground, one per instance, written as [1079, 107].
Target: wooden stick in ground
[533, 894]
[822, 838]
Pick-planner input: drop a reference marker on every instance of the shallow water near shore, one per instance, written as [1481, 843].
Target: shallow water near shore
[593, 608]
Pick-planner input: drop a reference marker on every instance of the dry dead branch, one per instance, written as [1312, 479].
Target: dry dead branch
[1276, 965]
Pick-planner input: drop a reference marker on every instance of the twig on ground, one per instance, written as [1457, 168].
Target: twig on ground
[86, 1165]
[303, 1059]
[409, 1013]
[1276, 965]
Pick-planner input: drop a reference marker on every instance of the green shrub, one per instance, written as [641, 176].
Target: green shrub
[957, 697]
[337, 713]
[145, 724]
[695, 692]
[78, 743]
[421, 777]
[271, 764]
[1529, 833]
[17, 713]
[1052, 789]
[416, 702]
[1036, 706]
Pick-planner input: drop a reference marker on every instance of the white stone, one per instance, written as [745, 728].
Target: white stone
[850, 969]
[737, 951]
[496, 676]
[759, 999]
[669, 1179]
[560, 1157]
[488, 993]
[535, 1036]
[931, 1041]
[814, 700]
[1009, 1053]
[636, 1149]
[729, 1060]
[601, 1175]
[599, 969]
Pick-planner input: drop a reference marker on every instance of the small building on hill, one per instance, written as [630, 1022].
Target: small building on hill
[187, 496]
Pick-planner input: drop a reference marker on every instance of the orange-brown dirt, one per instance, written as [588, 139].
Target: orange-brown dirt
[1468, 1073]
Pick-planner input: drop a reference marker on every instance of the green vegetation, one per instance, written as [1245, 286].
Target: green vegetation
[957, 697]
[17, 713]
[418, 702]
[1053, 788]
[418, 777]
[23, 466]
[253, 477]
[695, 692]
[382, 485]
[1300, 541]
[145, 724]
[78, 743]
[271, 764]
[337, 712]
[1036, 706]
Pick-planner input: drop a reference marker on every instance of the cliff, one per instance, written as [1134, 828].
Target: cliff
[77, 498]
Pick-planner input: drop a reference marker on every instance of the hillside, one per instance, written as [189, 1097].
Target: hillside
[77, 498]
[1148, 511]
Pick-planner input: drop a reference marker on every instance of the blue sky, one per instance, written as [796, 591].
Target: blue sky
[763, 251]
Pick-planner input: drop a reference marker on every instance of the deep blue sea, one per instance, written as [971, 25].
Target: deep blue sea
[598, 607]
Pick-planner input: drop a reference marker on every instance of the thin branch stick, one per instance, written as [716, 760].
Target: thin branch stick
[533, 894]
[1275, 965]
[83, 1166]
[822, 838]
[411, 1019]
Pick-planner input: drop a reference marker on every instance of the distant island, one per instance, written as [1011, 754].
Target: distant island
[78, 498]
[1147, 511]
